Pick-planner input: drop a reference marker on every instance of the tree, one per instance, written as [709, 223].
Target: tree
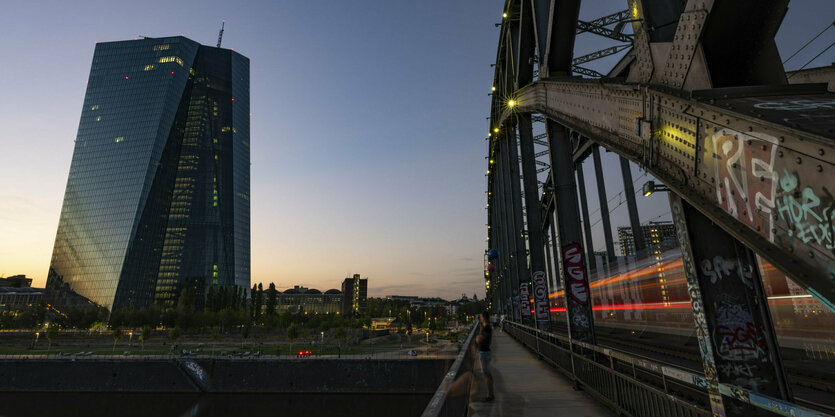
[174, 334]
[117, 335]
[272, 295]
[146, 333]
[51, 332]
[340, 333]
[292, 333]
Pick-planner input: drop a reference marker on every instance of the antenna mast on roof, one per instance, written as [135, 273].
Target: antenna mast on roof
[220, 35]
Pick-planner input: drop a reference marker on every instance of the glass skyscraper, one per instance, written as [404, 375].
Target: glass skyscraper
[157, 198]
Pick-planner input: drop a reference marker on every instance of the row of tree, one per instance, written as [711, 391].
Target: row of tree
[228, 309]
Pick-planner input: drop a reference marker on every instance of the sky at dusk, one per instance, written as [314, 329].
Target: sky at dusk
[368, 126]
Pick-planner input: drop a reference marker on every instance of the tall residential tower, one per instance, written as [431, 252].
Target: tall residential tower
[157, 198]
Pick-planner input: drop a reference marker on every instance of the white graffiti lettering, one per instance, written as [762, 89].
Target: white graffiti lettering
[719, 268]
[807, 217]
[746, 181]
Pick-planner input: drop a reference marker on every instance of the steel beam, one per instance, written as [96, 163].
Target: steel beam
[602, 31]
[744, 157]
[737, 339]
[574, 272]
[632, 207]
[535, 241]
[584, 206]
[611, 256]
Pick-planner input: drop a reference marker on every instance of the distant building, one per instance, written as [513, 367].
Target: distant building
[309, 300]
[17, 297]
[409, 298]
[16, 281]
[657, 236]
[355, 292]
[428, 302]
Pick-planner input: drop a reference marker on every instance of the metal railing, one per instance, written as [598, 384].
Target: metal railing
[452, 398]
[437, 350]
[629, 384]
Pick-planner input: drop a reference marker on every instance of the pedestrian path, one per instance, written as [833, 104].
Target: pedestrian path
[528, 387]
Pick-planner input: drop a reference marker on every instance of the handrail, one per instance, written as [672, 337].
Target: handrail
[669, 370]
[439, 400]
[664, 370]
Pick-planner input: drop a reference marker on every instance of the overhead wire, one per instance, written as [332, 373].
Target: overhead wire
[810, 41]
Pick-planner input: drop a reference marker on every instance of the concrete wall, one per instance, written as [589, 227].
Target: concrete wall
[224, 375]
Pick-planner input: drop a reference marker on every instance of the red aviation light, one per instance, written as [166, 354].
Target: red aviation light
[126, 77]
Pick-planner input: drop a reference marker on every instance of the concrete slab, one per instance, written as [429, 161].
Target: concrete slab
[528, 387]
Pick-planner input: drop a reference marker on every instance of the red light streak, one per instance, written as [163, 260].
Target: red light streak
[634, 306]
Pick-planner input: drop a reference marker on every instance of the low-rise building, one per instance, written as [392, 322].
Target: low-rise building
[309, 300]
[19, 297]
[16, 281]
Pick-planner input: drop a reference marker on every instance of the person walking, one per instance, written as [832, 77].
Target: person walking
[482, 340]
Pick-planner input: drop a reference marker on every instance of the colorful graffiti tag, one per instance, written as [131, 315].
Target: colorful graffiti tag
[540, 292]
[779, 193]
[525, 299]
[694, 290]
[576, 282]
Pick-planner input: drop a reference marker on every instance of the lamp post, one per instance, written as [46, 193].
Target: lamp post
[651, 187]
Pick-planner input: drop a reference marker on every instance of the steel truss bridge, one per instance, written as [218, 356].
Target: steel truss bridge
[701, 102]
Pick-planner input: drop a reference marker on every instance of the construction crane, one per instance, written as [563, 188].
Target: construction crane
[220, 35]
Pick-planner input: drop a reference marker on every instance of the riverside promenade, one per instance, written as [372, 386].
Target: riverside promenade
[528, 387]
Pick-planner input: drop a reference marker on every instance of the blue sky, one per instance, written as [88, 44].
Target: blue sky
[368, 123]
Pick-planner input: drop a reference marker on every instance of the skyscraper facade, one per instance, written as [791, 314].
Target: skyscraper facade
[157, 198]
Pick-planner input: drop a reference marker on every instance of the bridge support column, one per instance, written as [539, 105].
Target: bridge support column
[574, 273]
[733, 325]
[584, 205]
[535, 241]
[632, 207]
[604, 207]
[503, 269]
[512, 196]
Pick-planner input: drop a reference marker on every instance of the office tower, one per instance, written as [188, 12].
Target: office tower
[157, 198]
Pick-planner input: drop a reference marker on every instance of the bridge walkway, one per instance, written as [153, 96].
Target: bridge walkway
[527, 387]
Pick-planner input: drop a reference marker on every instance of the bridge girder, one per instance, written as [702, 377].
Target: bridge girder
[714, 121]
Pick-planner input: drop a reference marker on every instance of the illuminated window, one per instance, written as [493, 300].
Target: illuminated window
[163, 47]
[166, 59]
[94, 107]
[149, 67]
[120, 139]
[98, 118]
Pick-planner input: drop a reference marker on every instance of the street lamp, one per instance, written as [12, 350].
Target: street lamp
[650, 187]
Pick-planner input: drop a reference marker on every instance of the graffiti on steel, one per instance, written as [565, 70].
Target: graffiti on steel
[731, 296]
[797, 105]
[745, 177]
[773, 190]
[540, 292]
[702, 334]
[577, 285]
[525, 299]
